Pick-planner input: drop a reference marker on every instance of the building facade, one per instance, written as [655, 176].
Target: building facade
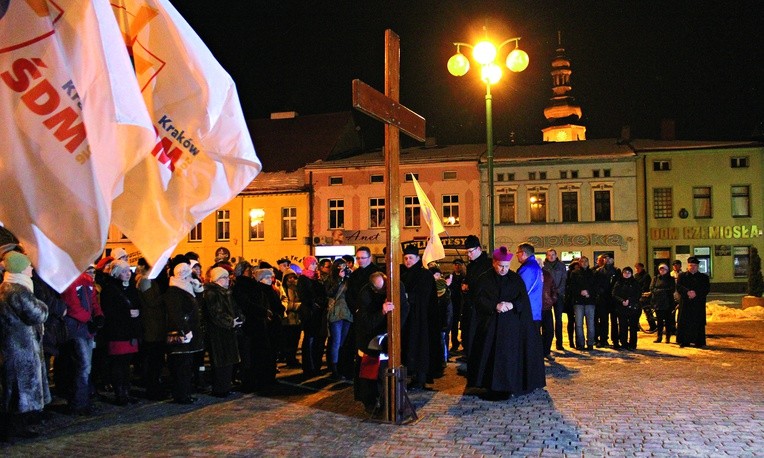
[703, 199]
[576, 197]
[349, 207]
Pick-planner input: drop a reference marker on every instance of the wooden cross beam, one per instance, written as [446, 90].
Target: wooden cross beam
[385, 108]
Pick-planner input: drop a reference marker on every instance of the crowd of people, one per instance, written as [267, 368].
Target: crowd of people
[114, 325]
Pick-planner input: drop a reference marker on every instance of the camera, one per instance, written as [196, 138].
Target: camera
[347, 272]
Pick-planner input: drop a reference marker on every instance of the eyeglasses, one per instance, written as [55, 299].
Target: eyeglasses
[362, 257]
[471, 250]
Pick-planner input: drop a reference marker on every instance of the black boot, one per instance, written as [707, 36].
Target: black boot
[668, 337]
[660, 336]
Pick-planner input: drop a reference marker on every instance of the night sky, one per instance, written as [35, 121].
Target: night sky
[634, 63]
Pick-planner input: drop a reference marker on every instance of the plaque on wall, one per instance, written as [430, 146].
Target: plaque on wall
[723, 250]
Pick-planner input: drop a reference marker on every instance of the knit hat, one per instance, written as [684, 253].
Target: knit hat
[119, 253]
[458, 261]
[217, 273]
[471, 242]
[627, 269]
[117, 267]
[692, 260]
[182, 271]
[502, 254]
[283, 261]
[663, 265]
[104, 262]
[241, 267]
[264, 265]
[260, 274]
[440, 286]
[308, 260]
[435, 270]
[411, 249]
[16, 262]
[289, 272]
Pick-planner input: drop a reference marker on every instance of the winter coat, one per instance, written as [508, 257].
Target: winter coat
[422, 299]
[313, 305]
[182, 317]
[534, 283]
[662, 292]
[627, 289]
[559, 274]
[580, 280]
[337, 303]
[21, 327]
[55, 326]
[117, 301]
[549, 294]
[219, 312]
[81, 306]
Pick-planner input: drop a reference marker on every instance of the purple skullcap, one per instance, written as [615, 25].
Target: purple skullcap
[502, 254]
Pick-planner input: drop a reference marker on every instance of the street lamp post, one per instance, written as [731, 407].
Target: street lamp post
[484, 54]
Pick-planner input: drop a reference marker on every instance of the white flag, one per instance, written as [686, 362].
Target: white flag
[71, 124]
[434, 249]
[204, 156]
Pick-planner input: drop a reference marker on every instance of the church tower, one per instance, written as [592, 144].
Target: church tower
[562, 111]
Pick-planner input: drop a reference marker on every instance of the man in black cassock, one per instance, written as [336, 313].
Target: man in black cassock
[693, 287]
[507, 356]
[415, 336]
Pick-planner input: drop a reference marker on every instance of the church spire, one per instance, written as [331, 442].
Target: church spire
[562, 111]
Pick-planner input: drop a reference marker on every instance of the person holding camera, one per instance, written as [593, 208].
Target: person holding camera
[339, 316]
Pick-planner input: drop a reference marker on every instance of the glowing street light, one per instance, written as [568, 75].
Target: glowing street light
[484, 53]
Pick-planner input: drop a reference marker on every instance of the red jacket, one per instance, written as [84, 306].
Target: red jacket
[82, 290]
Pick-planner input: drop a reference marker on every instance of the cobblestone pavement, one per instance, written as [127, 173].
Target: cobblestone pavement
[661, 400]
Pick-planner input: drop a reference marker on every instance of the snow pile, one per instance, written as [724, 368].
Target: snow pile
[719, 311]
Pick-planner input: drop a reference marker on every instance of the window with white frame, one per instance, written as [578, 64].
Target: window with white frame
[537, 202]
[661, 166]
[196, 233]
[602, 207]
[223, 225]
[336, 213]
[701, 202]
[257, 224]
[289, 223]
[507, 208]
[739, 162]
[569, 201]
[450, 210]
[741, 201]
[411, 212]
[376, 212]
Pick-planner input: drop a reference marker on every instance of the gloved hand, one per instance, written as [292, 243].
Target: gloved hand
[237, 322]
[95, 324]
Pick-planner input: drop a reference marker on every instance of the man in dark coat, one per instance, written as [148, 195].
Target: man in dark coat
[693, 287]
[605, 277]
[223, 318]
[422, 298]
[506, 357]
[479, 263]
[644, 279]
[359, 278]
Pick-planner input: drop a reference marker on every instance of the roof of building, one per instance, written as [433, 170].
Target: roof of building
[579, 150]
[288, 144]
[645, 146]
[276, 183]
[414, 155]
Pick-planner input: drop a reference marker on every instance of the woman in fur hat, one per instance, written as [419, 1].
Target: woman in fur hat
[21, 328]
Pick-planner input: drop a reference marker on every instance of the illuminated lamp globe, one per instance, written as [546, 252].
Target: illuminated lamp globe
[491, 73]
[458, 64]
[517, 60]
[484, 52]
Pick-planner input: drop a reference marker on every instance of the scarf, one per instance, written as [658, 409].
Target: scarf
[185, 285]
[309, 273]
[19, 279]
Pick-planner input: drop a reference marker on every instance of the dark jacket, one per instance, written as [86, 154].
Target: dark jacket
[550, 291]
[662, 292]
[313, 304]
[580, 280]
[219, 311]
[627, 289]
[422, 299]
[116, 302]
[182, 317]
[81, 306]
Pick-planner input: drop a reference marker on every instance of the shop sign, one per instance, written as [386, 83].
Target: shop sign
[711, 232]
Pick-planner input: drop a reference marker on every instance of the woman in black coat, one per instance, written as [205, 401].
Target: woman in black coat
[626, 294]
[223, 318]
[662, 297]
[313, 310]
[121, 305]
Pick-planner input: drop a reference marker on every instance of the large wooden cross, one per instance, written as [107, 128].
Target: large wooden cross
[385, 108]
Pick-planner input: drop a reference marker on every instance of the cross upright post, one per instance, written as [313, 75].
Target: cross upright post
[385, 108]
